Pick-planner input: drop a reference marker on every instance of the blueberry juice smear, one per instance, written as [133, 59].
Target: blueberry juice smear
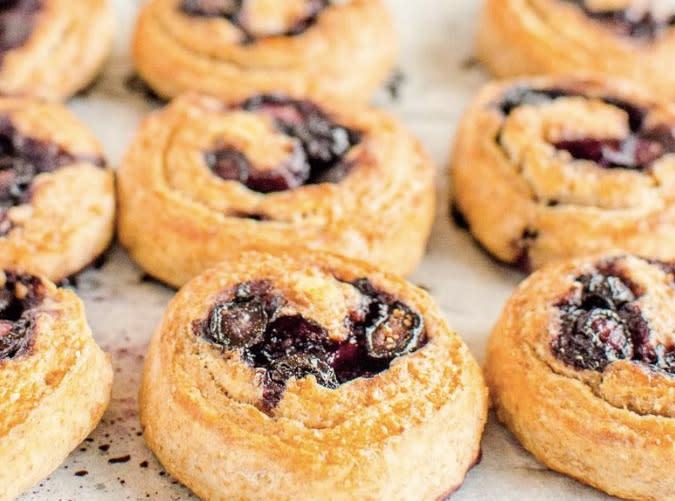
[292, 346]
[643, 145]
[19, 297]
[318, 155]
[601, 322]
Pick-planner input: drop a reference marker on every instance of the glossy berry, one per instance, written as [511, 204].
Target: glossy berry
[395, 332]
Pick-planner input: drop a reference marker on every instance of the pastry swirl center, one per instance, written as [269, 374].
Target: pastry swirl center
[638, 150]
[601, 322]
[318, 156]
[289, 346]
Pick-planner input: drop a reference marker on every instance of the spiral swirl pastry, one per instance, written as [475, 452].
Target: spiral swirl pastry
[557, 167]
[631, 39]
[52, 48]
[581, 368]
[231, 48]
[57, 200]
[204, 179]
[300, 375]
[54, 379]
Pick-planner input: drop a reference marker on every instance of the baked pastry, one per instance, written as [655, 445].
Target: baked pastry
[232, 48]
[52, 48]
[54, 379]
[581, 368]
[203, 179]
[556, 167]
[57, 200]
[631, 39]
[301, 375]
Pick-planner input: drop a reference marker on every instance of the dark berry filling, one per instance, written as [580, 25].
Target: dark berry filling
[17, 20]
[625, 22]
[22, 158]
[287, 346]
[232, 10]
[601, 323]
[318, 156]
[19, 297]
[637, 151]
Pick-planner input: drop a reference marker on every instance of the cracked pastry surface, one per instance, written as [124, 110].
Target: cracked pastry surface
[52, 48]
[631, 39]
[557, 167]
[581, 369]
[54, 379]
[57, 200]
[203, 179]
[293, 374]
[232, 48]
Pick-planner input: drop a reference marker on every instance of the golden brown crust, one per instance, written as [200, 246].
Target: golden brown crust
[68, 219]
[529, 202]
[611, 428]
[66, 49]
[345, 54]
[52, 397]
[410, 432]
[529, 37]
[177, 218]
